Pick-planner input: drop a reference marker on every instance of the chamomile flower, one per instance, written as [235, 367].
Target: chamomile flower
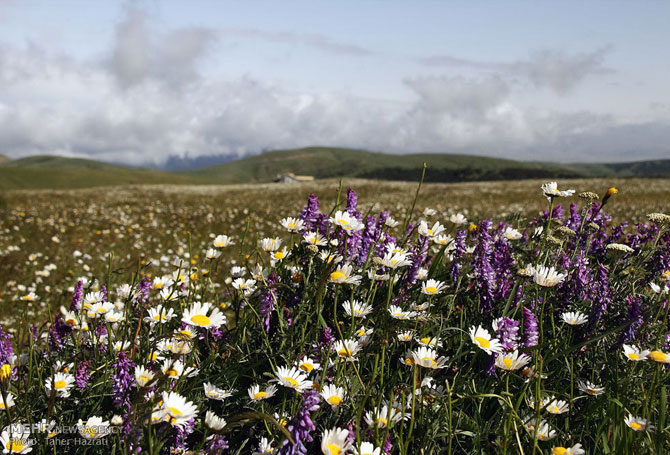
[398, 313]
[458, 218]
[223, 241]
[555, 406]
[211, 253]
[308, 365]
[292, 224]
[482, 339]
[432, 287]
[427, 358]
[172, 368]
[293, 378]
[245, 286]
[428, 231]
[367, 448]
[511, 361]
[256, 394]
[574, 450]
[544, 431]
[356, 309]
[143, 376]
[548, 277]
[214, 422]
[62, 383]
[551, 190]
[270, 244]
[590, 388]
[280, 254]
[8, 402]
[176, 410]
[394, 260]
[264, 448]
[383, 417]
[335, 441]
[511, 234]
[638, 423]
[333, 395]
[93, 428]
[214, 393]
[347, 222]
[344, 275]
[329, 257]
[406, 336]
[347, 349]
[634, 353]
[16, 439]
[314, 238]
[199, 315]
[574, 318]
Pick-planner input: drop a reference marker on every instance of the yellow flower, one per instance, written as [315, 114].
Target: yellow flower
[5, 371]
[612, 191]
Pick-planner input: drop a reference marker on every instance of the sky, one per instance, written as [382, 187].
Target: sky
[139, 82]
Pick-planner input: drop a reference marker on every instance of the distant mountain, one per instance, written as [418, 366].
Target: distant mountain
[4, 158]
[60, 172]
[319, 162]
[188, 163]
[326, 162]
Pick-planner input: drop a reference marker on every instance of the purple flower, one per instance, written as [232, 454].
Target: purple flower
[601, 296]
[182, 433]
[267, 304]
[6, 349]
[507, 331]
[58, 334]
[77, 296]
[216, 444]
[82, 375]
[123, 381]
[301, 425]
[531, 328]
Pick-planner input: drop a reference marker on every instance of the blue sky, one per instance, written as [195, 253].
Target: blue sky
[137, 82]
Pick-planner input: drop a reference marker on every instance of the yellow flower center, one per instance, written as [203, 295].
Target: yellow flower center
[71, 321]
[306, 367]
[5, 371]
[508, 362]
[144, 379]
[431, 289]
[344, 352]
[428, 359]
[335, 400]
[425, 340]
[381, 422]
[2, 405]
[559, 451]
[279, 255]
[172, 372]
[91, 431]
[334, 449]
[636, 426]
[15, 445]
[291, 381]
[634, 356]
[483, 342]
[337, 276]
[200, 319]
[60, 384]
[174, 411]
[553, 409]
[259, 395]
[342, 221]
[658, 356]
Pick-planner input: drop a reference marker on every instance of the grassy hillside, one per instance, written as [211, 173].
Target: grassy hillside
[325, 162]
[61, 173]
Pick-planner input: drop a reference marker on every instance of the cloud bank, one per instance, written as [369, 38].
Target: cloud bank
[147, 99]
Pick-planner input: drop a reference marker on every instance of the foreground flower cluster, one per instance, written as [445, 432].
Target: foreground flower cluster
[352, 333]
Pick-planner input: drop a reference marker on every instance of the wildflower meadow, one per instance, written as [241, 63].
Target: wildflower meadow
[337, 328]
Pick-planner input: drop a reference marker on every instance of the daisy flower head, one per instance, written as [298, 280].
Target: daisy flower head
[511, 361]
[176, 410]
[406, 336]
[427, 358]
[203, 315]
[431, 342]
[330, 257]
[356, 309]
[308, 365]
[574, 318]
[214, 393]
[8, 402]
[314, 238]
[634, 353]
[333, 395]
[344, 275]
[347, 349]
[247, 287]
[93, 428]
[400, 314]
[223, 241]
[264, 448]
[256, 394]
[270, 244]
[574, 450]
[280, 254]
[638, 423]
[590, 388]
[16, 439]
[62, 383]
[432, 287]
[335, 441]
[551, 190]
[292, 224]
[555, 406]
[383, 417]
[143, 376]
[347, 222]
[394, 260]
[548, 277]
[367, 448]
[482, 339]
[293, 378]
[430, 231]
[214, 422]
[458, 218]
[511, 234]
[544, 431]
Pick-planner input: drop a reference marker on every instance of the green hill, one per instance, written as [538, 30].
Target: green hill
[326, 162]
[55, 172]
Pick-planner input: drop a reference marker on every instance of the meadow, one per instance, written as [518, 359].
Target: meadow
[488, 317]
